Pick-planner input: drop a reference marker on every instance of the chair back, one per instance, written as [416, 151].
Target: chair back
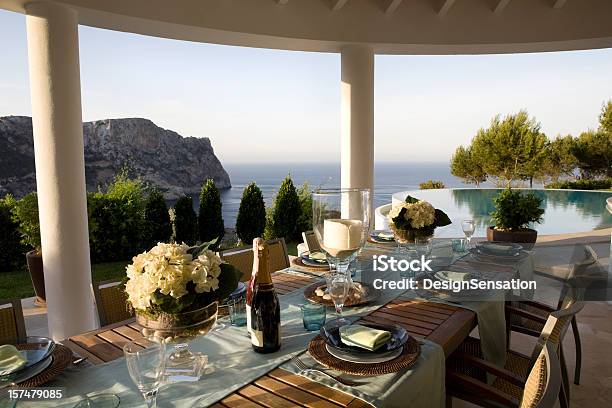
[544, 380]
[312, 244]
[12, 324]
[556, 326]
[242, 257]
[111, 302]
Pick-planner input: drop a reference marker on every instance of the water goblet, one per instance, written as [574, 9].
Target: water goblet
[339, 286]
[423, 246]
[146, 368]
[313, 316]
[237, 312]
[468, 227]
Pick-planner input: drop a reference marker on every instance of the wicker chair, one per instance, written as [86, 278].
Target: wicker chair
[111, 302]
[575, 275]
[242, 257]
[12, 324]
[466, 373]
[312, 244]
[539, 390]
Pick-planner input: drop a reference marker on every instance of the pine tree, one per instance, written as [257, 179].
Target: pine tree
[157, 219]
[185, 221]
[210, 219]
[251, 219]
[286, 212]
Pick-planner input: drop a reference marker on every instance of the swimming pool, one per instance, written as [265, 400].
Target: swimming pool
[567, 211]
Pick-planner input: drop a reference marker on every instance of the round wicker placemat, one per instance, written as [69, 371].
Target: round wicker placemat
[300, 264]
[409, 355]
[62, 358]
[370, 295]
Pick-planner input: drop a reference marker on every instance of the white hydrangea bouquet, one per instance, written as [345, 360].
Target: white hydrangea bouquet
[415, 218]
[173, 280]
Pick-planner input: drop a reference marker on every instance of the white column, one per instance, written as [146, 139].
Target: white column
[357, 111]
[53, 50]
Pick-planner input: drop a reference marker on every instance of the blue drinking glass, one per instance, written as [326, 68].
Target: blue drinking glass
[313, 316]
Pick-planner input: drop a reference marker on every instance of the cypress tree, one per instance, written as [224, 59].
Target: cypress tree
[251, 219]
[210, 219]
[157, 218]
[286, 212]
[185, 221]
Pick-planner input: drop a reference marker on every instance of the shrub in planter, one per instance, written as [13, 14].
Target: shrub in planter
[251, 220]
[286, 212]
[25, 214]
[210, 218]
[431, 184]
[157, 219]
[11, 248]
[185, 221]
[514, 211]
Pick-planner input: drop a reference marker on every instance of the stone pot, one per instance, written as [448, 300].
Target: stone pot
[523, 236]
[35, 267]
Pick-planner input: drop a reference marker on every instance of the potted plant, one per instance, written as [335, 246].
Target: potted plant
[25, 214]
[175, 291]
[415, 218]
[514, 212]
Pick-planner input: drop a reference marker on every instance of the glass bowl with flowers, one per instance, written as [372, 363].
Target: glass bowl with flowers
[175, 290]
[414, 219]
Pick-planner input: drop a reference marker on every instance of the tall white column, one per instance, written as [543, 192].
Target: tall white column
[357, 111]
[53, 50]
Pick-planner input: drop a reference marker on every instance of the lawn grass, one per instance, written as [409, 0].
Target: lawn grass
[17, 284]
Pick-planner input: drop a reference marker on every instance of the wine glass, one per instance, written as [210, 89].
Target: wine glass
[338, 285]
[146, 367]
[99, 401]
[468, 227]
[341, 223]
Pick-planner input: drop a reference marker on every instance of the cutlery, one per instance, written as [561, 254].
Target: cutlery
[79, 360]
[304, 368]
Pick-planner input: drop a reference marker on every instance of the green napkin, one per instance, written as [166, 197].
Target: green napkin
[10, 359]
[453, 276]
[364, 337]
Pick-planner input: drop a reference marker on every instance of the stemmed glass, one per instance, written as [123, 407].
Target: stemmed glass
[146, 367]
[468, 227]
[341, 219]
[338, 285]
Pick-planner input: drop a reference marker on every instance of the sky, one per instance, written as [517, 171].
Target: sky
[264, 106]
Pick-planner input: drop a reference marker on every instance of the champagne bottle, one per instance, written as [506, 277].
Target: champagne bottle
[264, 325]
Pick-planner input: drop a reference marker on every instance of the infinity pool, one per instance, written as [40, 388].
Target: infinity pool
[567, 211]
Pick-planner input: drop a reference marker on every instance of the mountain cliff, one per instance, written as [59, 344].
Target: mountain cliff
[176, 165]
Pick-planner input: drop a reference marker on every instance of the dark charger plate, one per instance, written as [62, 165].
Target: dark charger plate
[399, 337]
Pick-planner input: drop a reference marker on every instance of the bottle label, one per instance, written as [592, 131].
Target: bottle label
[248, 316]
[257, 338]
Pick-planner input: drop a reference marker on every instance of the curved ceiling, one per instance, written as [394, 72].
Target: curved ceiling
[388, 26]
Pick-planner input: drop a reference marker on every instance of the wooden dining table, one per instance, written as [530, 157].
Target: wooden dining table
[446, 325]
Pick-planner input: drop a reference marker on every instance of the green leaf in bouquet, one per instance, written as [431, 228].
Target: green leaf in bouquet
[228, 281]
[441, 219]
[411, 200]
[196, 250]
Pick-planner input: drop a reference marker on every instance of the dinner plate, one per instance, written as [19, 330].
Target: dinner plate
[307, 260]
[382, 236]
[44, 348]
[496, 248]
[399, 337]
[364, 358]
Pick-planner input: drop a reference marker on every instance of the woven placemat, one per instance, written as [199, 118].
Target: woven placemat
[409, 356]
[370, 295]
[62, 358]
[298, 263]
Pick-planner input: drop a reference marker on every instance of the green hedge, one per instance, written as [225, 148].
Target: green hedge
[11, 248]
[431, 185]
[210, 218]
[583, 184]
[185, 221]
[157, 219]
[251, 220]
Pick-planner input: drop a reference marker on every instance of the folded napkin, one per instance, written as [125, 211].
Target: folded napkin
[453, 276]
[11, 359]
[317, 256]
[364, 337]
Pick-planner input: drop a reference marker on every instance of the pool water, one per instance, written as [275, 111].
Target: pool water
[566, 211]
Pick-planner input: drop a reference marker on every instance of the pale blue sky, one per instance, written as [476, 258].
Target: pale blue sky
[280, 106]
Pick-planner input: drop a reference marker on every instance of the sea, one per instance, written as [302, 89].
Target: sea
[389, 178]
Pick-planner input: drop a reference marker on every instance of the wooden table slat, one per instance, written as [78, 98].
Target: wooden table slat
[312, 387]
[292, 393]
[265, 398]
[238, 401]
